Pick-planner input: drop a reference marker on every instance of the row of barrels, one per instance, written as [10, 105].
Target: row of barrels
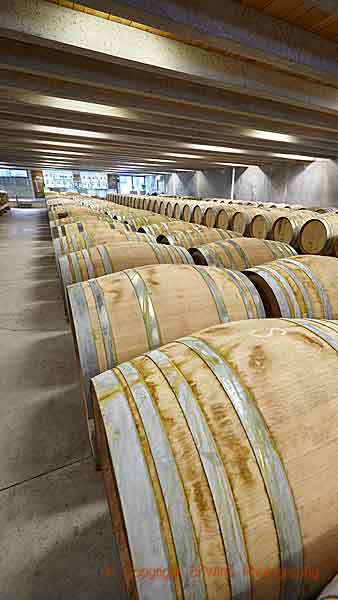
[310, 230]
[215, 427]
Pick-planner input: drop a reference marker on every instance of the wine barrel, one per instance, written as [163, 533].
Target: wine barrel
[216, 216]
[239, 254]
[261, 226]
[169, 209]
[177, 210]
[111, 258]
[186, 212]
[86, 227]
[157, 228]
[287, 228]
[299, 287]
[232, 433]
[323, 209]
[190, 238]
[331, 591]
[262, 223]
[318, 235]
[120, 316]
[74, 243]
[198, 211]
[136, 222]
[241, 221]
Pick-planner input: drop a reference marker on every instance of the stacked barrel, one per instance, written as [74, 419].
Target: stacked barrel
[215, 427]
[310, 230]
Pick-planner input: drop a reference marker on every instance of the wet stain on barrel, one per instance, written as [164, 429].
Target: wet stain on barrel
[257, 360]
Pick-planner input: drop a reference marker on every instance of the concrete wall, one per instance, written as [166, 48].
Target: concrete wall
[211, 182]
[313, 184]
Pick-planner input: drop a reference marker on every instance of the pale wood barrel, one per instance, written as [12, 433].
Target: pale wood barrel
[106, 259]
[298, 287]
[198, 211]
[74, 243]
[120, 316]
[151, 203]
[239, 253]
[135, 222]
[216, 216]
[169, 209]
[86, 227]
[219, 441]
[323, 209]
[186, 212]
[177, 210]
[318, 235]
[190, 238]
[157, 228]
[331, 591]
[287, 228]
[262, 223]
[241, 221]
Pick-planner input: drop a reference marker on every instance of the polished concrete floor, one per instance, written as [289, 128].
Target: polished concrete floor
[56, 540]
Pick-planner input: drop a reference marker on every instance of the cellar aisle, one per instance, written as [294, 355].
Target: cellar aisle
[56, 540]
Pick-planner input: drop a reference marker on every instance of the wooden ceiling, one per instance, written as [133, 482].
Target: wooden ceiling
[303, 14]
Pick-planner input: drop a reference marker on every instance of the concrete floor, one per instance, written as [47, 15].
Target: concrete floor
[56, 540]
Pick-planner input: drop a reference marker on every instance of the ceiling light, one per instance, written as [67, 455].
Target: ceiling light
[230, 164]
[294, 157]
[176, 155]
[215, 148]
[271, 135]
[160, 160]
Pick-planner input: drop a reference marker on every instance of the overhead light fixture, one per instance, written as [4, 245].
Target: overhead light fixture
[177, 155]
[67, 131]
[225, 164]
[294, 157]
[208, 148]
[272, 136]
[160, 160]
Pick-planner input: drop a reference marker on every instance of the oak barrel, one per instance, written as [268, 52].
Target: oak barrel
[298, 287]
[157, 228]
[239, 253]
[105, 259]
[221, 452]
[74, 243]
[190, 238]
[216, 216]
[318, 235]
[262, 223]
[241, 221]
[120, 316]
[287, 228]
[86, 227]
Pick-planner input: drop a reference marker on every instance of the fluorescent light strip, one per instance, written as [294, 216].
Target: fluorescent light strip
[215, 148]
[295, 157]
[271, 136]
[178, 155]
